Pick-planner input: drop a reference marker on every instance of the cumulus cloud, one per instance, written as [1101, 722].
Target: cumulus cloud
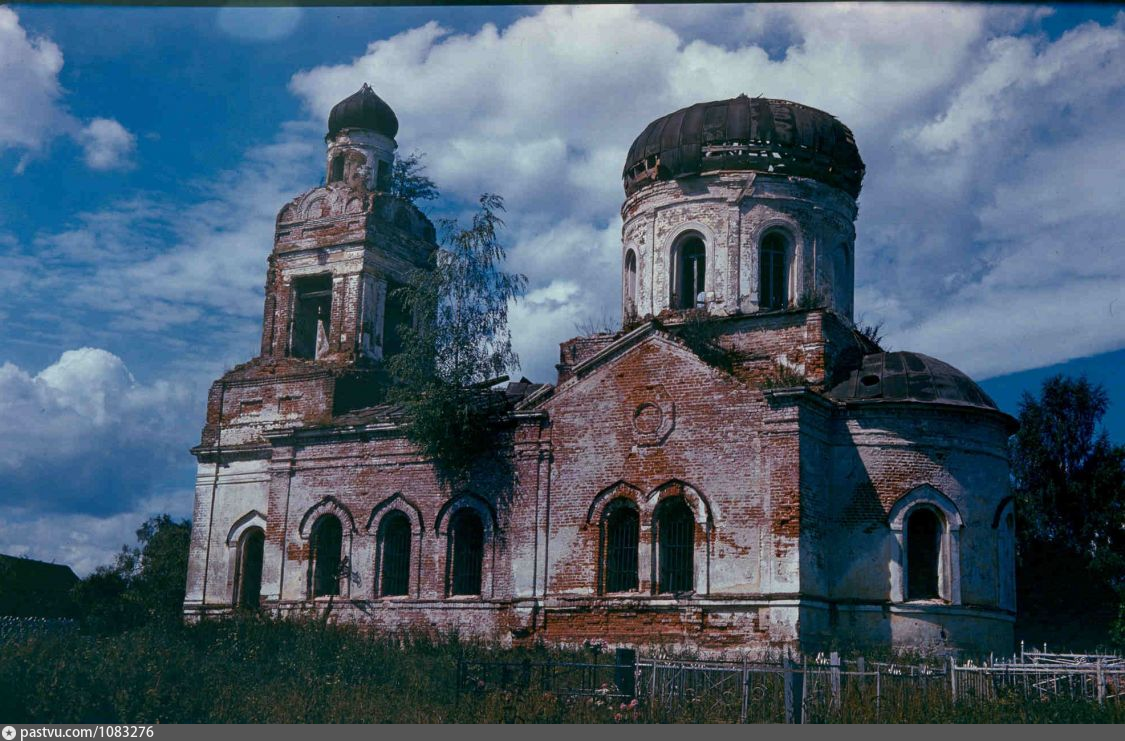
[84, 437]
[987, 145]
[106, 145]
[31, 108]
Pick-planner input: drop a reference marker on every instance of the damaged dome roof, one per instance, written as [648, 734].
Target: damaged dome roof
[910, 376]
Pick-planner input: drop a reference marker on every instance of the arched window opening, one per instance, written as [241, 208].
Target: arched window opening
[250, 552]
[923, 554]
[394, 552]
[466, 553]
[325, 545]
[774, 272]
[675, 527]
[622, 533]
[688, 291]
[337, 172]
[630, 282]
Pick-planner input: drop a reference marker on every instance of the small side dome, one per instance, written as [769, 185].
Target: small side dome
[363, 110]
[910, 376]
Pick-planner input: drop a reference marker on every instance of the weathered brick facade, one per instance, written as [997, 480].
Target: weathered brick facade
[809, 466]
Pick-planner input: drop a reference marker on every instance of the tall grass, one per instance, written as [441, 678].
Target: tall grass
[256, 670]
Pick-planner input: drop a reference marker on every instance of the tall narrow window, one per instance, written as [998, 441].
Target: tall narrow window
[842, 279]
[396, 318]
[394, 541]
[688, 292]
[675, 543]
[923, 551]
[325, 545]
[312, 312]
[622, 531]
[337, 172]
[774, 273]
[630, 283]
[466, 553]
[250, 548]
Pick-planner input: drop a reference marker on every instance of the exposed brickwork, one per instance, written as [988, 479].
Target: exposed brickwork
[797, 499]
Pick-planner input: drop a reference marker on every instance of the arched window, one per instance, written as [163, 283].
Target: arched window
[923, 553]
[325, 545]
[394, 555]
[675, 533]
[621, 534]
[248, 592]
[466, 553]
[337, 172]
[692, 271]
[630, 282]
[774, 272]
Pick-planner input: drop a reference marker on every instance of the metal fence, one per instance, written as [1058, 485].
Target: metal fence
[806, 690]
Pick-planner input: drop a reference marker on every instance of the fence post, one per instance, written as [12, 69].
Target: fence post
[878, 693]
[953, 678]
[834, 678]
[801, 686]
[745, 692]
[791, 691]
[624, 672]
[1101, 682]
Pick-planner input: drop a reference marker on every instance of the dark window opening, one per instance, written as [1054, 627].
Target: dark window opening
[622, 532]
[396, 319]
[395, 537]
[250, 554]
[466, 551]
[312, 312]
[325, 545]
[676, 543]
[336, 172]
[630, 282]
[923, 548]
[693, 271]
[773, 278]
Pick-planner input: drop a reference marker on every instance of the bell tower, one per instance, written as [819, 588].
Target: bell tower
[342, 249]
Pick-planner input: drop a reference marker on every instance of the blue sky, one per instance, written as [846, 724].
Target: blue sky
[144, 153]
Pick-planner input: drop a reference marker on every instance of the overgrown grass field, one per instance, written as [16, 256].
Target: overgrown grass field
[262, 671]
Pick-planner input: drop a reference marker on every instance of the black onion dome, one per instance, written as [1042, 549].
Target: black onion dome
[910, 376]
[363, 110]
[744, 133]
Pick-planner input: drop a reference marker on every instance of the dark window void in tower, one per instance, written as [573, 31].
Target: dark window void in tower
[630, 282]
[675, 543]
[692, 273]
[336, 173]
[324, 562]
[312, 311]
[466, 553]
[250, 554]
[395, 553]
[622, 532]
[923, 549]
[774, 278]
[396, 318]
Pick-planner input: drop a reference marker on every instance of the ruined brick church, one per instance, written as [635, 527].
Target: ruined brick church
[782, 481]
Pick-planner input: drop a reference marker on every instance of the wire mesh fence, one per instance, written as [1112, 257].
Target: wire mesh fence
[808, 690]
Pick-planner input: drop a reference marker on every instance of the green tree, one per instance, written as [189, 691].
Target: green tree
[460, 341]
[409, 180]
[145, 583]
[1069, 479]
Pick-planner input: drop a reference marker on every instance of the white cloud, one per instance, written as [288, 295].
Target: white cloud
[107, 145]
[31, 109]
[83, 436]
[987, 144]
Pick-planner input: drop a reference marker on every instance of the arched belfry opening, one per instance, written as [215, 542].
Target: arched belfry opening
[773, 283]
